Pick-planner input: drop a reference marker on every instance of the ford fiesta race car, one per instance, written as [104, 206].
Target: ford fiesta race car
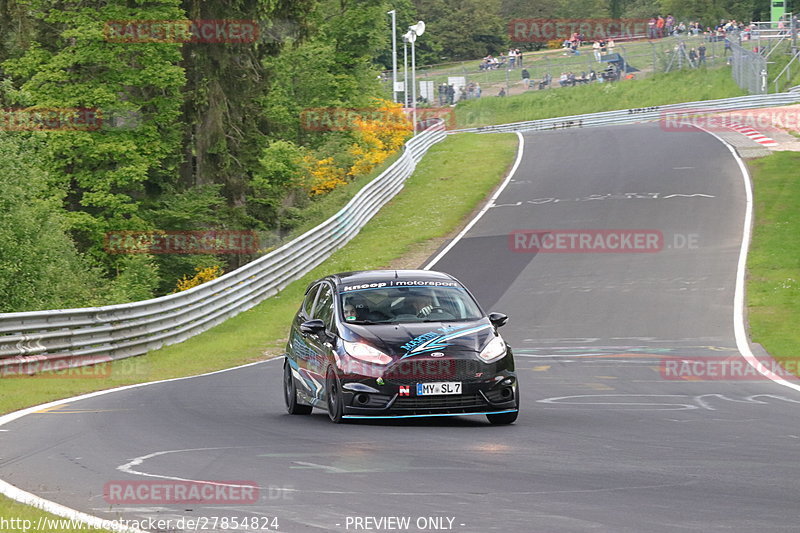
[397, 344]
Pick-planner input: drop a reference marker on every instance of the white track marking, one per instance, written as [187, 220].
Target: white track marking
[739, 329]
[486, 207]
[128, 467]
[17, 494]
[622, 406]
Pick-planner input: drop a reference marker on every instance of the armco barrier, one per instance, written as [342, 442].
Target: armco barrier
[74, 337]
[634, 116]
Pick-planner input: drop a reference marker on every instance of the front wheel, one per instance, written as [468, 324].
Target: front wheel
[290, 393]
[335, 400]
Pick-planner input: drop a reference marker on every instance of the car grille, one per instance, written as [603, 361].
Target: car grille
[431, 370]
[439, 402]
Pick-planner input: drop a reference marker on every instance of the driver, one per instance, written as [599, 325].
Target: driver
[350, 312]
[422, 304]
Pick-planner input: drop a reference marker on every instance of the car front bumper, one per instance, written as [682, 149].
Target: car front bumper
[495, 395]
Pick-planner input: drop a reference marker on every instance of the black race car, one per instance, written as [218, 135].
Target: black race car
[398, 344]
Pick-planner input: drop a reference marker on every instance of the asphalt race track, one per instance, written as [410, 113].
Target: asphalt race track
[607, 439]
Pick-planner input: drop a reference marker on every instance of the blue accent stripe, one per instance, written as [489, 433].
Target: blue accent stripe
[436, 414]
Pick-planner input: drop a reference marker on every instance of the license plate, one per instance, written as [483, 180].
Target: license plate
[441, 387]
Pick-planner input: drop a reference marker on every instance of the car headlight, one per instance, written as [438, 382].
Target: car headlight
[366, 353]
[495, 349]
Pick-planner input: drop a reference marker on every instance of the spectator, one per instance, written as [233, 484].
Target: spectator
[571, 79]
[477, 90]
[660, 26]
[526, 78]
[611, 46]
[727, 46]
[669, 24]
[562, 80]
[693, 57]
[545, 81]
[502, 91]
[519, 58]
[596, 50]
[701, 55]
[651, 28]
[512, 58]
[451, 93]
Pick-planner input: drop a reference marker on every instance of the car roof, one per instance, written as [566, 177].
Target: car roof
[377, 276]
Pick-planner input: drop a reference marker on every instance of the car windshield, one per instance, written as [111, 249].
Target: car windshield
[381, 305]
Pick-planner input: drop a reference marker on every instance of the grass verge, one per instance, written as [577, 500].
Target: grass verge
[659, 89]
[773, 266]
[449, 183]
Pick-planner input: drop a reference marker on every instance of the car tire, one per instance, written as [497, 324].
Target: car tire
[503, 419]
[290, 393]
[333, 395]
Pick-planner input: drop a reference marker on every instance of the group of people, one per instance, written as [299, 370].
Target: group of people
[572, 44]
[570, 79]
[698, 56]
[660, 26]
[601, 47]
[447, 93]
[513, 58]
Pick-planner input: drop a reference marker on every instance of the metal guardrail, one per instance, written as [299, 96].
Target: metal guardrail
[645, 114]
[62, 338]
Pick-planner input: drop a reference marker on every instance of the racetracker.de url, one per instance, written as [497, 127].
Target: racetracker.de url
[199, 523]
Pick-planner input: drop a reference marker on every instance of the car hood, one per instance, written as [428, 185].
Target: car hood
[401, 341]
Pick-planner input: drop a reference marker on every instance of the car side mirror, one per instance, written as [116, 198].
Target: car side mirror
[312, 326]
[498, 319]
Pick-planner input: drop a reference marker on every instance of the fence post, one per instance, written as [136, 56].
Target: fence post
[655, 63]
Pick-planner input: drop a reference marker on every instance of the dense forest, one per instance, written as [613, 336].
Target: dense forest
[186, 134]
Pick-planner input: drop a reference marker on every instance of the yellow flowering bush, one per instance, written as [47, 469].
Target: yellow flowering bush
[203, 275]
[377, 135]
[325, 175]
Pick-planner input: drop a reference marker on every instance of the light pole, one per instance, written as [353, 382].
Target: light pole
[394, 54]
[405, 70]
[414, 31]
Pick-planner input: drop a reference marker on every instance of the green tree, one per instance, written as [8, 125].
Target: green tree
[66, 61]
[39, 265]
[461, 30]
